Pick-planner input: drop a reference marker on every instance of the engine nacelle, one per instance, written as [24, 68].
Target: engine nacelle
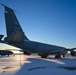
[5, 52]
[27, 53]
[73, 53]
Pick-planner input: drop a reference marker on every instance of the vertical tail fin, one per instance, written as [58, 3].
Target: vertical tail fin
[13, 28]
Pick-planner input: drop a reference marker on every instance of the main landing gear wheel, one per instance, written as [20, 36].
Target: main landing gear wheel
[63, 55]
[57, 56]
[42, 55]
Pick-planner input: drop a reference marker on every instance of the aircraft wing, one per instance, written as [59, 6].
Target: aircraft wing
[26, 52]
[61, 51]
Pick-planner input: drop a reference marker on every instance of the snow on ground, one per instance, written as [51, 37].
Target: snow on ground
[34, 65]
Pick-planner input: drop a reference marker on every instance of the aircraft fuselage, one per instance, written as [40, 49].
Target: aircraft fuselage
[37, 47]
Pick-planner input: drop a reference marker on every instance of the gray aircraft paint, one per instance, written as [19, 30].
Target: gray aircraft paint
[17, 38]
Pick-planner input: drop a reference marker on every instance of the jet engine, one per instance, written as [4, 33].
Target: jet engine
[73, 53]
[26, 53]
[5, 52]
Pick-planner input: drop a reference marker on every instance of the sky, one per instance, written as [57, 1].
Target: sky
[47, 21]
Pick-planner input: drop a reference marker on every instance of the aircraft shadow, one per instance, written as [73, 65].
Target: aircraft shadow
[37, 64]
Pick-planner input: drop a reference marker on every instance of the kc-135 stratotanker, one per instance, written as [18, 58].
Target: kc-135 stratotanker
[17, 38]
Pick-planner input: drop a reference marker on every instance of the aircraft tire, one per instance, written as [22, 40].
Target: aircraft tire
[58, 56]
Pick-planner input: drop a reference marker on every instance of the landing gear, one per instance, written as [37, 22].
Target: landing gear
[8, 55]
[57, 56]
[63, 55]
[42, 55]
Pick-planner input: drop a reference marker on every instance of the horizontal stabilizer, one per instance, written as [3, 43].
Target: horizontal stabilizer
[1, 36]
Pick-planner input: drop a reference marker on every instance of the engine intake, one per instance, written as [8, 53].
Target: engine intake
[73, 53]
